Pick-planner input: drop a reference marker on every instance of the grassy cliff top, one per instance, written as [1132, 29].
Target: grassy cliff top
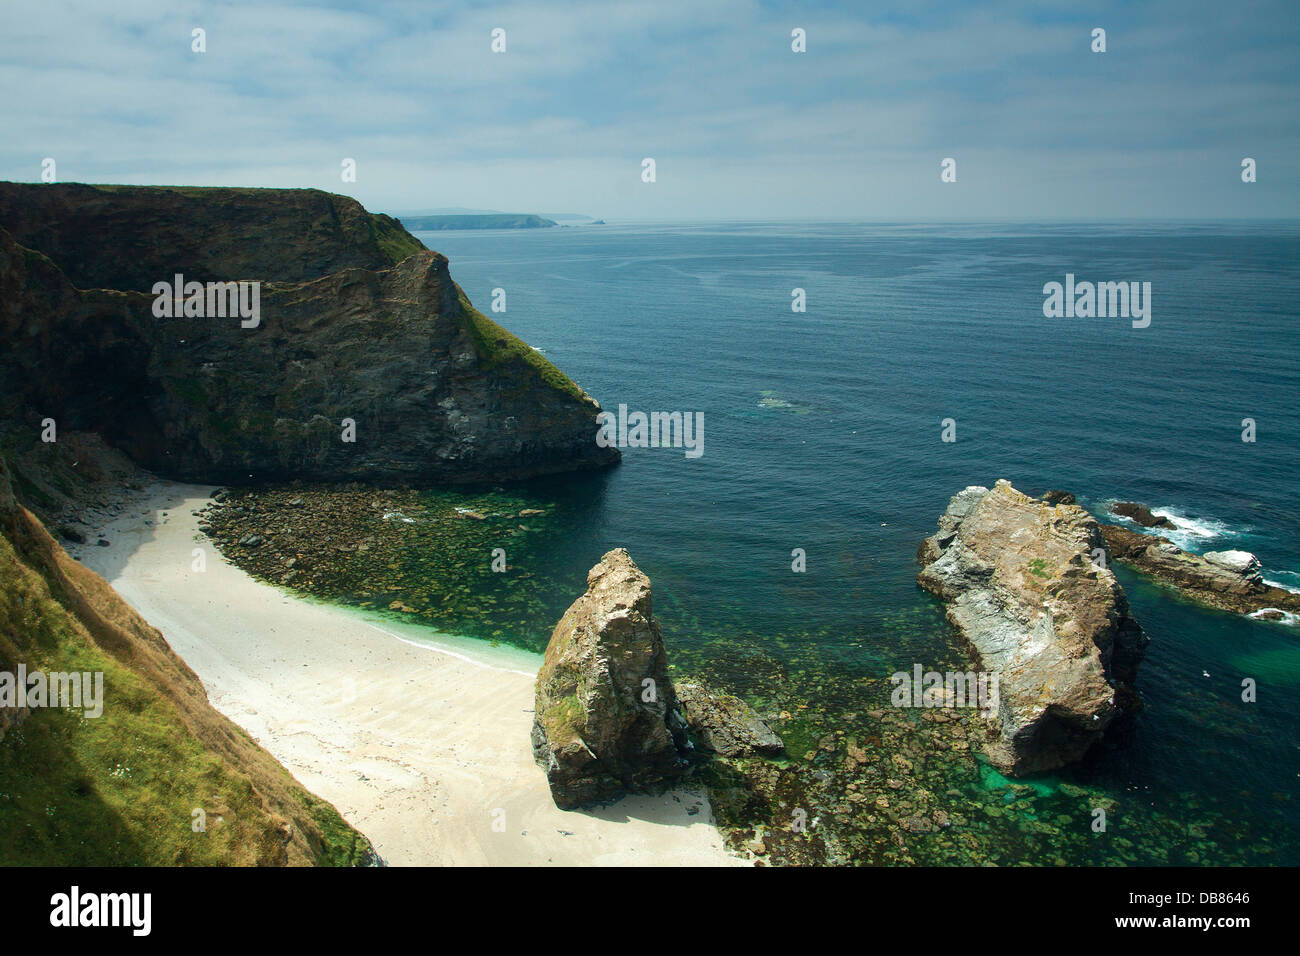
[129, 237]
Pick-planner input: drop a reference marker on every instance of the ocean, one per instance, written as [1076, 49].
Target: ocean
[823, 431]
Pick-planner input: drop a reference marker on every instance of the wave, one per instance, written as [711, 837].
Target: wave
[1271, 614]
[1286, 580]
[1195, 529]
[1197, 534]
[1192, 534]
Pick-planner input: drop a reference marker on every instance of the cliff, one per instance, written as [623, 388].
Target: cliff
[122, 788]
[129, 237]
[1023, 590]
[366, 360]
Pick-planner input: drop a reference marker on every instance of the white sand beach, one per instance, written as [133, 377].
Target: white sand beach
[421, 748]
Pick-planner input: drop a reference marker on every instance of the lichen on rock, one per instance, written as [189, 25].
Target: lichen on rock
[1024, 589]
[607, 718]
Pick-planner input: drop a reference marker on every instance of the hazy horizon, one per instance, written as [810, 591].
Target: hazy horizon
[740, 125]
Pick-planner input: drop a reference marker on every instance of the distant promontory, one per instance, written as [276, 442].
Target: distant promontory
[503, 220]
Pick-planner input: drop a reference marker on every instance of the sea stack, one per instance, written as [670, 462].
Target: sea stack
[607, 718]
[1024, 589]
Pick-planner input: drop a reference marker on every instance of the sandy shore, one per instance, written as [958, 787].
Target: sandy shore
[423, 747]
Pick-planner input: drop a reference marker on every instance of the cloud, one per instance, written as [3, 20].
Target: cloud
[739, 124]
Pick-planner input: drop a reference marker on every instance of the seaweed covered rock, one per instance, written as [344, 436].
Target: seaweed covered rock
[725, 724]
[607, 719]
[1024, 590]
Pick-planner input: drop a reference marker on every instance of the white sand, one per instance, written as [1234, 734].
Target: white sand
[422, 748]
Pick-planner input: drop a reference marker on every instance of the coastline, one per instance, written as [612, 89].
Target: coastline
[422, 746]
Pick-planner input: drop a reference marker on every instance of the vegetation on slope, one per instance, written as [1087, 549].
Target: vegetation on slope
[121, 789]
[496, 346]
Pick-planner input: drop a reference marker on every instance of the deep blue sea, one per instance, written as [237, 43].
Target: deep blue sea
[823, 432]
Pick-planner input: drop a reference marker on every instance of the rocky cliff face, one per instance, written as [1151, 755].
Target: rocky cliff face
[379, 370]
[1229, 580]
[1023, 590]
[607, 719]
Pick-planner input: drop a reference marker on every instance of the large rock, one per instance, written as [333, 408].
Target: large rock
[1023, 590]
[384, 338]
[725, 724]
[1229, 580]
[607, 718]
[1241, 563]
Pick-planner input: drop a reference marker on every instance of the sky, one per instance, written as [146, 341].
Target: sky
[740, 126]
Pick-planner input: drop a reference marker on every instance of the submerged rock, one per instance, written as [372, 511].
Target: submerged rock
[725, 724]
[1024, 591]
[607, 718]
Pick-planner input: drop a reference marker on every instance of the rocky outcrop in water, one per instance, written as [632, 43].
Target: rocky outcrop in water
[1229, 580]
[609, 719]
[366, 361]
[725, 724]
[1022, 588]
[1141, 514]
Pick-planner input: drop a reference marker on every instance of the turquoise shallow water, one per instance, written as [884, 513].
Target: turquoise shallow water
[822, 432]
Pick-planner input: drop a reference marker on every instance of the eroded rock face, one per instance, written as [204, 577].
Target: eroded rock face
[1023, 590]
[388, 353]
[725, 724]
[607, 718]
[1228, 580]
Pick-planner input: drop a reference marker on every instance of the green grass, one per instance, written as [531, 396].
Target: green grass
[120, 789]
[1038, 568]
[393, 241]
[563, 718]
[495, 347]
[32, 257]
